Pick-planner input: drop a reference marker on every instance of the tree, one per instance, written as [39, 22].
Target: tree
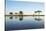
[16, 13]
[11, 13]
[21, 13]
[38, 12]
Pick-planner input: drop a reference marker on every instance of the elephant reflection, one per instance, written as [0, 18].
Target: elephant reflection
[20, 18]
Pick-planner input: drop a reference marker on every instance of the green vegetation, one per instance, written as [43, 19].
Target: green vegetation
[38, 12]
[11, 13]
[16, 13]
[21, 13]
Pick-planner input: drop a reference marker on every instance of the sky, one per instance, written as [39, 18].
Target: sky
[28, 7]
[28, 0]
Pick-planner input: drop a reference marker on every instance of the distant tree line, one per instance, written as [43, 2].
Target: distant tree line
[21, 12]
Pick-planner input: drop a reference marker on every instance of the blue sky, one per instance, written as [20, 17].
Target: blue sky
[12, 6]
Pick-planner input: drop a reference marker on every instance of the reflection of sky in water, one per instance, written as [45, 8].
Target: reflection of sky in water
[26, 22]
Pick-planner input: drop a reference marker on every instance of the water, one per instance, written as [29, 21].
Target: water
[24, 22]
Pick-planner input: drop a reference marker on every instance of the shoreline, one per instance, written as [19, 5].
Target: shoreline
[24, 15]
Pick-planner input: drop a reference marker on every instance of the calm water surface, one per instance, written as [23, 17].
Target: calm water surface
[24, 22]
